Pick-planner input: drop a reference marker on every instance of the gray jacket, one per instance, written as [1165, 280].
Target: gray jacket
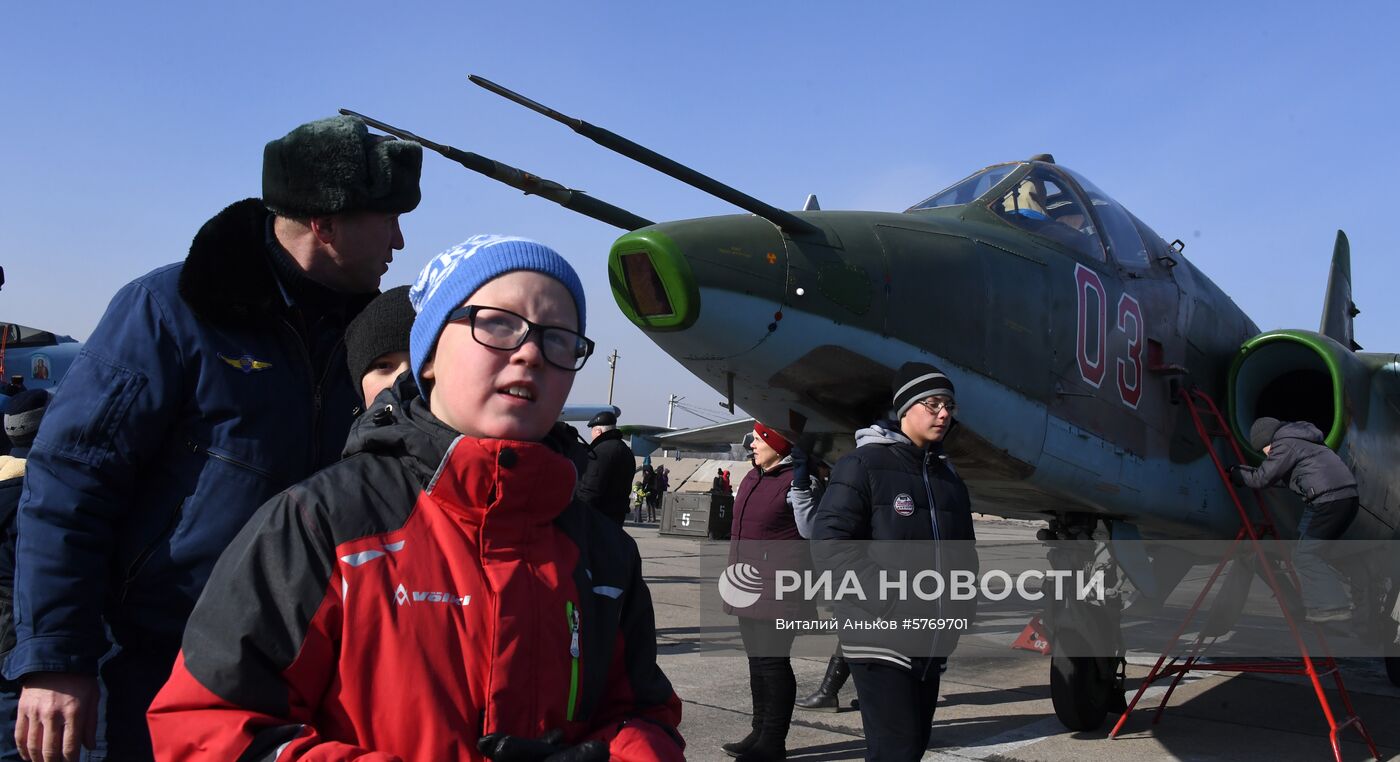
[1311, 468]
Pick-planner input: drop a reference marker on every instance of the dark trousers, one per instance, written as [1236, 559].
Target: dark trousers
[9, 711]
[896, 707]
[761, 636]
[1314, 558]
[129, 683]
[772, 684]
[130, 680]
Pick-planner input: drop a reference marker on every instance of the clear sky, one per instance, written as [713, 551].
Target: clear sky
[1252, 131]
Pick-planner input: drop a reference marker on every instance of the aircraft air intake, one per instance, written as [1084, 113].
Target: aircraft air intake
[1297, 376]
[652, 282]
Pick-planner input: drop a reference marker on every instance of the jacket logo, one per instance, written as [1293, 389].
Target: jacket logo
[245, 363]
[903, 504]
[403, 597]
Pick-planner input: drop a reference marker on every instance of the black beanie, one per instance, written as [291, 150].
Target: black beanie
[1263, 431]
[915, 381]
[381, 327]
[334, 165]
[22, 416]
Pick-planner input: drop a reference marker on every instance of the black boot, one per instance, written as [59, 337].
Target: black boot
[760, 700]
[771, 745]
[824, 699]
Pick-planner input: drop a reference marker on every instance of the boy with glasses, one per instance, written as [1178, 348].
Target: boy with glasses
[899, 485]
[436, 594]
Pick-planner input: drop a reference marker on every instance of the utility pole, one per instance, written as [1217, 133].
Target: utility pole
[612, 373]
[671, 408]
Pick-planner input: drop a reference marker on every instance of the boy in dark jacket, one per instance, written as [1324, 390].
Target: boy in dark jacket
[1295, 453]
[437, 595]
[898, 485]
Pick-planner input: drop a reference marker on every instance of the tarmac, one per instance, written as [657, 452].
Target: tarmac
[994, 707]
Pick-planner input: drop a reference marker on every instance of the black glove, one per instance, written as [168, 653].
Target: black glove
[801, 469]
[1236, 478]
[547, 748]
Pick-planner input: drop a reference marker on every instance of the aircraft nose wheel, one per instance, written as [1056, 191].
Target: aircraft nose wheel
[1081, 689]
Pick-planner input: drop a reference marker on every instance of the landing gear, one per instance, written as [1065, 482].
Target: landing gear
[1080, 693]
[1086, 670]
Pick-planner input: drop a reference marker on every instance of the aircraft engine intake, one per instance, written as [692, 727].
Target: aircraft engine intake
[1295, 376]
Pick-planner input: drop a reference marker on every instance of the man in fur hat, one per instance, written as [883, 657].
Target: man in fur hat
[208, 387]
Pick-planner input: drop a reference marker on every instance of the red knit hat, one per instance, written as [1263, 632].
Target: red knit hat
[773, 439]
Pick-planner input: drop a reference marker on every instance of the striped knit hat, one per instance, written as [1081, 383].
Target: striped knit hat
[915, 381]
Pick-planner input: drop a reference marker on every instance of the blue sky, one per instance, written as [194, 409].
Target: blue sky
[1251, 131]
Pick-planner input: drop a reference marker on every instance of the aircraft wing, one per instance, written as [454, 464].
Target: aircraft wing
[585, 413]
[714, 437]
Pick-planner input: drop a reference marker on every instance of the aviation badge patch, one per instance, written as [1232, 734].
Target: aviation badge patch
[904, 505]
[245, 363]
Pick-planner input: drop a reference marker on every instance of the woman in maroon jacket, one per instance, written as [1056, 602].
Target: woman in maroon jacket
[775, 504]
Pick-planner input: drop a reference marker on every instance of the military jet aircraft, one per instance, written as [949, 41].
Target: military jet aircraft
[1068, 324]
[33, 357]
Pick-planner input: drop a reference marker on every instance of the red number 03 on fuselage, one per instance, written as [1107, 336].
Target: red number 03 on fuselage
[1091, 338]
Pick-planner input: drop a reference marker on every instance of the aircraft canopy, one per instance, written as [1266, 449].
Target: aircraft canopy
[1053, 201]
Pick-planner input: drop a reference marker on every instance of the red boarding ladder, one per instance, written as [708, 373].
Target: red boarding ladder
[1210, 425]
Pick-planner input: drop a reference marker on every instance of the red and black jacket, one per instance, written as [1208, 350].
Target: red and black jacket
[427, 590]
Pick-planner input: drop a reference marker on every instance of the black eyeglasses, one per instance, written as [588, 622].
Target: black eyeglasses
[502, 329]
[934, 406]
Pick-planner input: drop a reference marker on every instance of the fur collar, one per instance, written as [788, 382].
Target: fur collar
[227, 279]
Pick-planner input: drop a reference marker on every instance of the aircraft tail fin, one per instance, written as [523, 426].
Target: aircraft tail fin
[1338, 309]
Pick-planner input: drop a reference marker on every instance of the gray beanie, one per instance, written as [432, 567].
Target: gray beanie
[334, 165]
[1262, 432]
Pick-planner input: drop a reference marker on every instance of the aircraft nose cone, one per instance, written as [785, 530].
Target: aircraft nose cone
[722, 277]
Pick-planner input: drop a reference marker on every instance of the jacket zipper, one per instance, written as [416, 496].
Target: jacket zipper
[932, 506]
[937, 538]
[195, 448]
[571, 614]
[316, 387]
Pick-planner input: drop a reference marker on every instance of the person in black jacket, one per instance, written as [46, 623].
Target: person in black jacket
[1295, 453]
[607, 482]
[898, 485]
[22, 417]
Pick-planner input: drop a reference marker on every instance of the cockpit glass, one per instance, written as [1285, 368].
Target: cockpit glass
[969, 189]
[1123, 239]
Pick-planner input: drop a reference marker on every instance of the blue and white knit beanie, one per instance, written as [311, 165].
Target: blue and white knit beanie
[454, 275]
